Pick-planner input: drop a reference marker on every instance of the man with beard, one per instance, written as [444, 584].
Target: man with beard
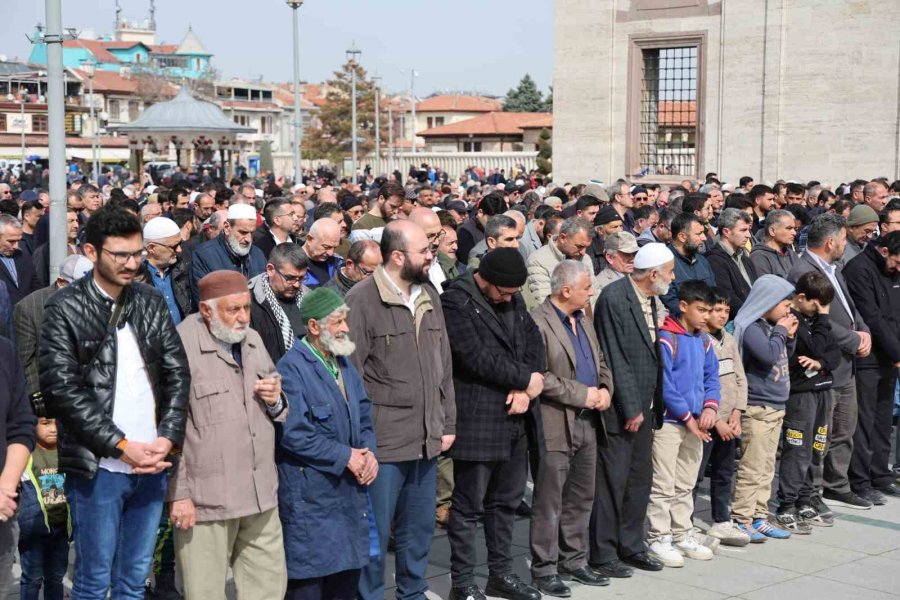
[384, 208]
[627, 325]
[429, 221]
[403, 356]
[114, 374]
[41, 257]
[276, 296]
[224, 503]
[328, 465]
[163, 268]
[362, 260]
[498, 369]
[323, 238]
[688, 235]
[232, 250]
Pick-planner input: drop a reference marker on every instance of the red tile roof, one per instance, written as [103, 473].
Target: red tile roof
[109, 81]
[95, 47]
[495, 123]
[459, 103]
[14, 139]
[545, 121]
[677, 113]
[164, 48]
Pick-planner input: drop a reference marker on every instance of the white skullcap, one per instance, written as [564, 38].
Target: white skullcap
[373, 234]
[259, 193]
[75, 267]
[241, 211]
[652, 255]
[193, 196]
[728, 187]
[160, 228]
[150, 189]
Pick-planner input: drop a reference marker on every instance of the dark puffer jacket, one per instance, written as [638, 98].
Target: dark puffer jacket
[80, 393]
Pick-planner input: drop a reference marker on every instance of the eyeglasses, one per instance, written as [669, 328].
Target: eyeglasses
[173, 247]
[366, 272]
[433, 237]
[291, 279]
[424, 252]
[122, 258]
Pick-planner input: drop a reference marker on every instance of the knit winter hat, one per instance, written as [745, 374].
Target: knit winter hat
[319, 303]
[504, 267]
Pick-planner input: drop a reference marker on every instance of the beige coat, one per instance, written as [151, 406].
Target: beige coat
[563, 395]
[731, 376]
[540, 267]
[228, 462]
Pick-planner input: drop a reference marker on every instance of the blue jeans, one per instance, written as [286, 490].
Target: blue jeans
[45, 559]
[404, 493]
[114, 522]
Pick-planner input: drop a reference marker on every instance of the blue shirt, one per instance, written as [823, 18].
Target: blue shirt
[585, 367]
[163, 282]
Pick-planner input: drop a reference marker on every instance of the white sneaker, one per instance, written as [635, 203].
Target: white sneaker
[729, 534]
[691, 548]
[662, 549]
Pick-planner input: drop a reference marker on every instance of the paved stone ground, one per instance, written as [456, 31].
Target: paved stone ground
[858, 558]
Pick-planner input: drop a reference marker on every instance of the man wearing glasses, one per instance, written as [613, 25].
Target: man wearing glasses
[862, 226]
[279, 218]
[362, 260]
[163, 268]
[275, 299]
[323, 237]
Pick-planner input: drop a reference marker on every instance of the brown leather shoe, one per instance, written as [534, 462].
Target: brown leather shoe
[442, 515]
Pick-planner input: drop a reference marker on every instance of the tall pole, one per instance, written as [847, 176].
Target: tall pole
[412, 100]
[376, 80]
[95, 143]
[353, 57]
[390, 139]
[22, 121]
[56, 126]
[298, 117]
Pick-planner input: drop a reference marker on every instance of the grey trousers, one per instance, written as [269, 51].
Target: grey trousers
[563, 499]
[833, 474]
[9, 535]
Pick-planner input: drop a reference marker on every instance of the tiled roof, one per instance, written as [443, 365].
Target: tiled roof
[95, 47]
[14, 139]
[164, 48]
[458, 103]
[495, 123]
[541, 122]
[677, 113]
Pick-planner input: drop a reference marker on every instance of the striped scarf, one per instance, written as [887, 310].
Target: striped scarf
[287, 332]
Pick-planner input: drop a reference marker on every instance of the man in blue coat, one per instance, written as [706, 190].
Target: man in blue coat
[688, 235]
[325, 457]
[232, 250]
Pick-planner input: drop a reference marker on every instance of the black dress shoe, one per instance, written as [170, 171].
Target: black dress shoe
[585, 575]
[614, 568]
[552, 585]
[472, 592]
[523, 510]
[511, 587]
[892, 489]
[643, 561]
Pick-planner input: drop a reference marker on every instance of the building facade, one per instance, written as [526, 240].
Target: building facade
[660, 90]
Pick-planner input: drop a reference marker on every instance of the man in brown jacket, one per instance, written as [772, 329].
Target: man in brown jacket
[224, 492]
[577, 387]
[403, 355]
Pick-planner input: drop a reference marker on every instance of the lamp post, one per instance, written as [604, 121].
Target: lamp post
[298, 118]
[412, 100]
[375, 81]
[353, 57]
[88, 66]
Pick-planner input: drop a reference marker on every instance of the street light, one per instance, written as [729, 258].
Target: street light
[353, 57]
[298, 120]
[89, 67]
[12, 98]
[375, 81]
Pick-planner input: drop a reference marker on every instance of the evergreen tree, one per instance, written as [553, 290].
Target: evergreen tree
[525, 98]
[548, 103]
[333, 141]
[545, 152]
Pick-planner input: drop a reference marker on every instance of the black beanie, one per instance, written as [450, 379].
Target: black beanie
[503, 267]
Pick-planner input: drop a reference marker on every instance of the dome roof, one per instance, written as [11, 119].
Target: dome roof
[183, 113]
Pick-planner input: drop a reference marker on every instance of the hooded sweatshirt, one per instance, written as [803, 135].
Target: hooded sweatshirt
[765, 348]
[771, 262]
[690, 372]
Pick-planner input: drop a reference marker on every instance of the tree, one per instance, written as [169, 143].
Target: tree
[333, 141]
[545, 152]
[525, 98]
[548, 103]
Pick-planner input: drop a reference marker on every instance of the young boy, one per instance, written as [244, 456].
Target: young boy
[719, 453]
[805, 421]
[690, 392]
[44, 518]
[764, 331]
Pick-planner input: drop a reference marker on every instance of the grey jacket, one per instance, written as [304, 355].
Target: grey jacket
[770, 262]
[530, 241]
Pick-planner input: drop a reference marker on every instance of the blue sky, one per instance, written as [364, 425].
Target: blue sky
[477, 45]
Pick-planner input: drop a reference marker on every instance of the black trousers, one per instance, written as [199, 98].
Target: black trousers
[494, 489]
[719, 455]
[804, 441]
[337, 586]
[870, 463]
[624, 478]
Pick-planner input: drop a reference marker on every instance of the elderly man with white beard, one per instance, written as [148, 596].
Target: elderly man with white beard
[223, 494]
[325, 456]
[232, 250]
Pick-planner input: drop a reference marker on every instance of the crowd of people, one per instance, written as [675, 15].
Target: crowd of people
[292, 381]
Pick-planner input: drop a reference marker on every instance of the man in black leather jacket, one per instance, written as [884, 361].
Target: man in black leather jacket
[115, 376]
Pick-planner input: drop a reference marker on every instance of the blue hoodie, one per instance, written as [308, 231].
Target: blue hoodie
[690, 372]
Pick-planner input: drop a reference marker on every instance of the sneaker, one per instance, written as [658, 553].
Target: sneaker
[729, 534]
[769, 530]
[788, 519]
[821, 508]
[875, 497]
[691, 548]
[755, 536]
[848, 500]
[808, 514]
[662, 549]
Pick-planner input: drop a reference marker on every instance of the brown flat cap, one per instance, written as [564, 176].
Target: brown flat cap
[221, 283]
